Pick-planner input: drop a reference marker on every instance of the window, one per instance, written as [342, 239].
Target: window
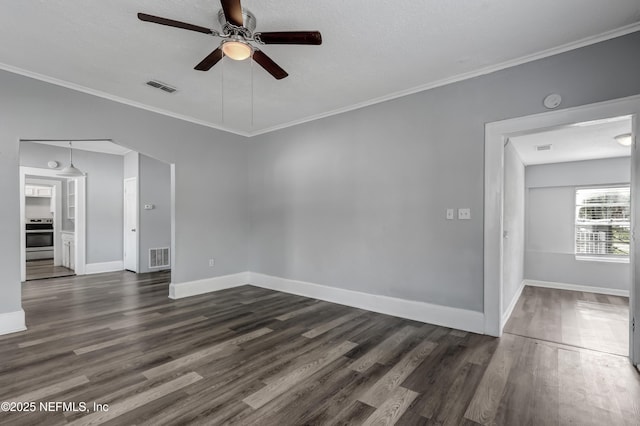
[603, 223]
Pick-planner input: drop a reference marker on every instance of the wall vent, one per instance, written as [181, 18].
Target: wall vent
[543, 147]
[162, 86]
[159, 258]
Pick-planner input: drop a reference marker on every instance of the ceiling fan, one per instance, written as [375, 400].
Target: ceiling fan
[238, 27]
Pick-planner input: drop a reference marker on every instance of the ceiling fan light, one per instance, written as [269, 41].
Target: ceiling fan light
[236, 50]
[624, 139]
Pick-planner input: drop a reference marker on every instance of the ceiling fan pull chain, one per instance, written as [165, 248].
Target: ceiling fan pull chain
[252, 106]
[222, 89]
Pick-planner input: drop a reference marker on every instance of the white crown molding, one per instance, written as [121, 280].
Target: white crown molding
[577, 287]
[628, 29]
[105, 95]
[446, 316]
[207, 285]
[12, 322]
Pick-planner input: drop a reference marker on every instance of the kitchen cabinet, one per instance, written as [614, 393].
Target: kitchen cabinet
[68, 250]
[38, 191]
[71, 199]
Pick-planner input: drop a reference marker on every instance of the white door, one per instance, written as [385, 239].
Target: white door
[131, 224]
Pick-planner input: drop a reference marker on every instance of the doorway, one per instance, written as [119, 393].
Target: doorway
[44, 233]
[496, 135]
[51, 265]
[571, 238]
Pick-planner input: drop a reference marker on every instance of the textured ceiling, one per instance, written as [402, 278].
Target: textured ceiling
[372, 50]
[584, 141]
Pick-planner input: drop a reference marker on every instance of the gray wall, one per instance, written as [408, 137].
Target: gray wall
[210, 173]
[355, 200]
[37, 207]
[104, 195]
[514, 225]
[358, 200]
[131, 166]
[155, 224]
[550, 246]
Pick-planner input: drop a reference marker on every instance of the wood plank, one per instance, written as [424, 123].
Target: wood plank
[138, 400]
[374, 355]
[50, 390]
[379, 392]
[484, 405]
[136, 336]
[323, 328]
[220, 349]
[278, 387]
[302, 311]
[392, 409]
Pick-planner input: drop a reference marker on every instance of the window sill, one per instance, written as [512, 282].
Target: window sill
[603, 259]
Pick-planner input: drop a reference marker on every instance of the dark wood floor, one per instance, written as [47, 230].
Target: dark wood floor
[254, 356]
[43, 268]
[587, 320]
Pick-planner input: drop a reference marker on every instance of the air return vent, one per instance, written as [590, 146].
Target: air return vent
[543, 147]
[162, 86]
[159, 258]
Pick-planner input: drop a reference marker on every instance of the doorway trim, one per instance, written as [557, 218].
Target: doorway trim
[80, 221]
[124, 222]
[496, 134]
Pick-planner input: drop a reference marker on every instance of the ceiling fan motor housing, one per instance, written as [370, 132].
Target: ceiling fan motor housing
[249, 24]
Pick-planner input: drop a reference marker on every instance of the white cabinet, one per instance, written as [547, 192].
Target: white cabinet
[38, 191]
[71, 199]
[68, 251]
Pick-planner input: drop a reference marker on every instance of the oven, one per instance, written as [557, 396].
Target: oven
[39, 238]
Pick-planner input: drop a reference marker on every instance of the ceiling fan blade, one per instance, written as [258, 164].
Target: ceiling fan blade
[267, 63]
[172, 23]
[232, 11]
[210, 61]
[290, 37]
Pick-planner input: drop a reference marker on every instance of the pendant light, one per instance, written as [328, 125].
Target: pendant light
[624, 139]
[70, 170]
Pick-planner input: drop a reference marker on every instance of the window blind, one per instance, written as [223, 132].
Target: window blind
[603, 221]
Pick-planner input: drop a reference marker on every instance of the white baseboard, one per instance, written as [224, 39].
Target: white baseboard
[99, 268]
[11, 322]
[193, 288]
[419, 311]
[507, 314]
[577, 287]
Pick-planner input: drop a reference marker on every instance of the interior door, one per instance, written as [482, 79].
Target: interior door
[131, 224]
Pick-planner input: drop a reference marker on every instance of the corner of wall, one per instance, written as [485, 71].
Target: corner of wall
[12, 322]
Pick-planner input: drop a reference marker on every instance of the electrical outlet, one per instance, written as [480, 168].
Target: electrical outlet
[464, 214]
[211, 263]
[449, 214]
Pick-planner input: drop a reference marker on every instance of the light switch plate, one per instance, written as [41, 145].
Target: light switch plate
[464, 214]
[449, 214]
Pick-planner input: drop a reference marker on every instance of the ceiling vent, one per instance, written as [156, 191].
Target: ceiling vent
[543, 147]
[162, 86]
